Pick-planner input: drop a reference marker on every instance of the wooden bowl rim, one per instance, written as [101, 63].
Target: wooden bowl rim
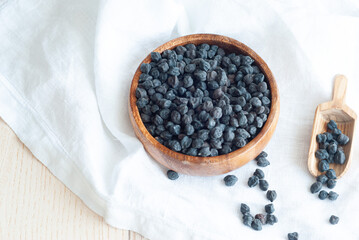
[225, 41]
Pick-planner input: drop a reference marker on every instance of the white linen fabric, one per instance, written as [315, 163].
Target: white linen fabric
[65, 72]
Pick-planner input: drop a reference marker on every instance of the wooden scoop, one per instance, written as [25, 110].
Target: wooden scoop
[338, 111]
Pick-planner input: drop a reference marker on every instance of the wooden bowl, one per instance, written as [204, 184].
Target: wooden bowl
[206, 166]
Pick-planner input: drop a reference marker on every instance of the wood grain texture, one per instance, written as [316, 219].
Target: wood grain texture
[36, 205]
[338, 111]
[207, 165]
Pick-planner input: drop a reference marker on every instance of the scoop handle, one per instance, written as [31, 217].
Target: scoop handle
[339, 90]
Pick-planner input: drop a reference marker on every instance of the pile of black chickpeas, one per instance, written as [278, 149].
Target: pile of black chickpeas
[201, 100]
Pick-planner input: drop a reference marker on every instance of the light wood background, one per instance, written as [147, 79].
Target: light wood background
[36, 205]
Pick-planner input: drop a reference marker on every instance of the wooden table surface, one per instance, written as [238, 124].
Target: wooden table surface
[36, 205]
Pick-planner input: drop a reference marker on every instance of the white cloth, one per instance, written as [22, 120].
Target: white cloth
[65, 72]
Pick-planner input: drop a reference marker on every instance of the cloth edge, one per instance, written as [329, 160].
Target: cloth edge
[65, 171]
